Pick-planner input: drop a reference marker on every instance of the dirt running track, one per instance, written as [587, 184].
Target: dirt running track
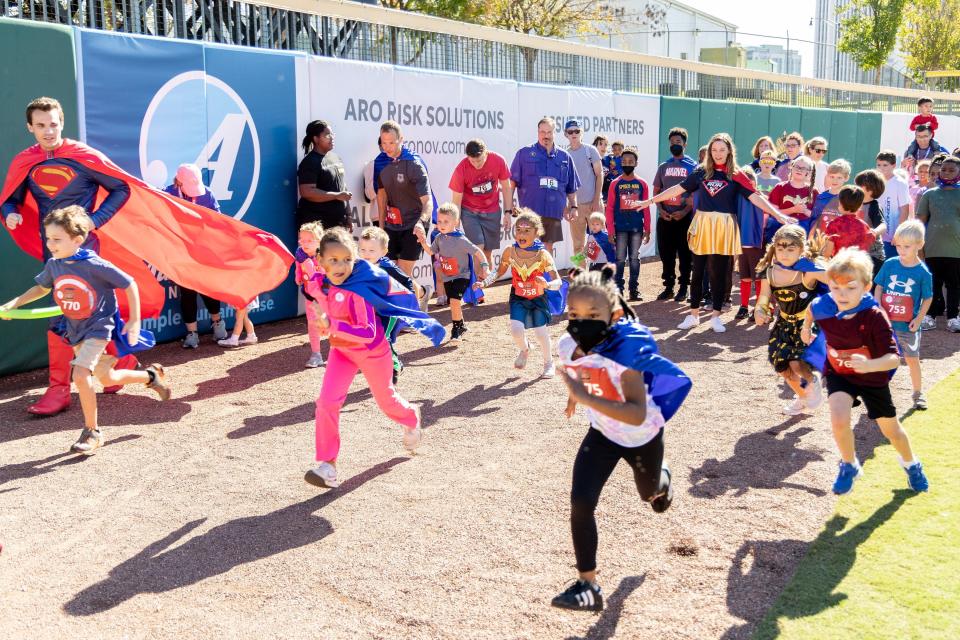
[194, 520]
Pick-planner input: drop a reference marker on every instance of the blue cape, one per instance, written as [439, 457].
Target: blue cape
[631, 345]
[471, 295]
[603, 239]
[120, 340]
[390, 299]
[556, 299]
[750, 218]
[383, 160]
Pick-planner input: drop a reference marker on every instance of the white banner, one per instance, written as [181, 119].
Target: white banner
[439, 112]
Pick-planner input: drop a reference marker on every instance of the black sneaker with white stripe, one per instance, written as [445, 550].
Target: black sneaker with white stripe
[581, 596]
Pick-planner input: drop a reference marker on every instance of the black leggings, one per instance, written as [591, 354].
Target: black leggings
[188, 304]
[596, 460]
[946, 275]
[719, 267]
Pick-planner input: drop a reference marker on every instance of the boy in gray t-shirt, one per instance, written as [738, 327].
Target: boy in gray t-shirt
[452, 252]
[83, 286]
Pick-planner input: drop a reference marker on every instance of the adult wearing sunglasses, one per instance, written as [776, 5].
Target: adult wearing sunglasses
[586, 159]
[816, 149]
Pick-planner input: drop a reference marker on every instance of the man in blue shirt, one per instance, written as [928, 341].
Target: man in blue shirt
[674, 217]
[545, 180]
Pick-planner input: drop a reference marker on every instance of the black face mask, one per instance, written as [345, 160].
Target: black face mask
[676, 150]
[588, 333]
[627, 169]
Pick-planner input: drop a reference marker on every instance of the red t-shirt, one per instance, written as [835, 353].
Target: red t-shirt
[869, 332]
[785, 195]
[849, 231]
[480, 187]
[920, 119]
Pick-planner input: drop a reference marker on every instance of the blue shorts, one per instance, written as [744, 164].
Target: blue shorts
[532, 313]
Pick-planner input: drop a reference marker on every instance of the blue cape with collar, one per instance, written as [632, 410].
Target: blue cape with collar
[120, 339]
[471, 295]
[556, 299]
[631, 345]
[390, 299]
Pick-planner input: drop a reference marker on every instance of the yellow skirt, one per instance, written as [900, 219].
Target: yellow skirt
[714, 233]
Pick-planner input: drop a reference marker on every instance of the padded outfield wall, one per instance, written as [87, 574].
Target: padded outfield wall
[153, 103]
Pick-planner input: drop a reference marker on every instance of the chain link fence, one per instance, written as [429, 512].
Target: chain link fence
[248, 24]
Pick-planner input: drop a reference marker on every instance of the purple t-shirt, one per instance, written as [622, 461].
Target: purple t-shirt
[544, 179]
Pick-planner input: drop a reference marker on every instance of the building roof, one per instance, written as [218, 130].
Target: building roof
[689, 9]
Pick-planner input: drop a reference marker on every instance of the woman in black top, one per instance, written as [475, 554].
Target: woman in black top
[714, 236]
[323, 196]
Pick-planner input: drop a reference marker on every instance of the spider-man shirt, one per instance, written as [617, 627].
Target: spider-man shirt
[56, 182]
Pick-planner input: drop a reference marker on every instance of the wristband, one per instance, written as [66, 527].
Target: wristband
[484, 264]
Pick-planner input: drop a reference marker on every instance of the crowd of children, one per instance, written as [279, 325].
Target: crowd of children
[808, 256]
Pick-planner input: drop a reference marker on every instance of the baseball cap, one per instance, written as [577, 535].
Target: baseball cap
[191, 180]
[572, 124]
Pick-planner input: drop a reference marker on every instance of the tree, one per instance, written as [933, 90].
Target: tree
[929, 39]
[869, 33]
[460, 10]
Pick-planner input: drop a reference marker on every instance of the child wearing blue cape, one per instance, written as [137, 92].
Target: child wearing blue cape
[353, 295]
[611, 366]
[537, 292]
[455, 256]
[790, 277]
[862, 355]
[83, 284]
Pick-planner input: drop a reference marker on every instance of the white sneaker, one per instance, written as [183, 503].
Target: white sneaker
[814, 397]
[412, 438]
[521, 360]
[324, 476]
[928, 323]
[232, 341]
[549, 370]
[689, 322]
[717, 325]
[316, 360]
[248, 339]
[953, 324]
[796, 407]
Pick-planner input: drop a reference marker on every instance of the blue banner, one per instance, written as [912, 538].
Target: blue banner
[153, 104]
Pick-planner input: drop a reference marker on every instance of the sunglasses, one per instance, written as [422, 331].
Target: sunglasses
[573, 131]
[819, 150]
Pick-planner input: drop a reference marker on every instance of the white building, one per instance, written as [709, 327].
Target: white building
[781, 59]
[684, 32]
[830, 64]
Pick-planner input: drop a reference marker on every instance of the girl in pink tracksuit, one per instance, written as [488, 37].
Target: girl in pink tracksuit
[308, 264]
[357, 342]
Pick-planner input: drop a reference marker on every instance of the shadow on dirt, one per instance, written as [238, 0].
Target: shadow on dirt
[606, 625]
[34, 468]
[217, 551]
[764, 567]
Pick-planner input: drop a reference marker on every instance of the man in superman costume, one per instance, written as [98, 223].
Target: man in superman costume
[135, 224]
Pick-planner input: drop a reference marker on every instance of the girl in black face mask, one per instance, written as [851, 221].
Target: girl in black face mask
[611, 366]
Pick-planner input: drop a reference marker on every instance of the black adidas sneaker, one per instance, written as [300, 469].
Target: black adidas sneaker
[581, 596]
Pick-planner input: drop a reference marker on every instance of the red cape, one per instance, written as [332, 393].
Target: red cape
[191, 245]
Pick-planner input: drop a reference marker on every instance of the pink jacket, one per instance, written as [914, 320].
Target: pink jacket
[353, 321]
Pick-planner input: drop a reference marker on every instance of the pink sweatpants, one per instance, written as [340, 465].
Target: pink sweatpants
[342, 365]
[312, 329]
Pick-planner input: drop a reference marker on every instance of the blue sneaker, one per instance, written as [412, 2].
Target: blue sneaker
[916, 478]
[848, 473]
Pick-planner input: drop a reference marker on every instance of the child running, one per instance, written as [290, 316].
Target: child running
[790, 277]
[629, 392]
[598, 249]
[905, 291]
[861, 354]
[454, 254]
[374, 243]
[529, 263]
[351, 295]
[308, 264]
[84, 285]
